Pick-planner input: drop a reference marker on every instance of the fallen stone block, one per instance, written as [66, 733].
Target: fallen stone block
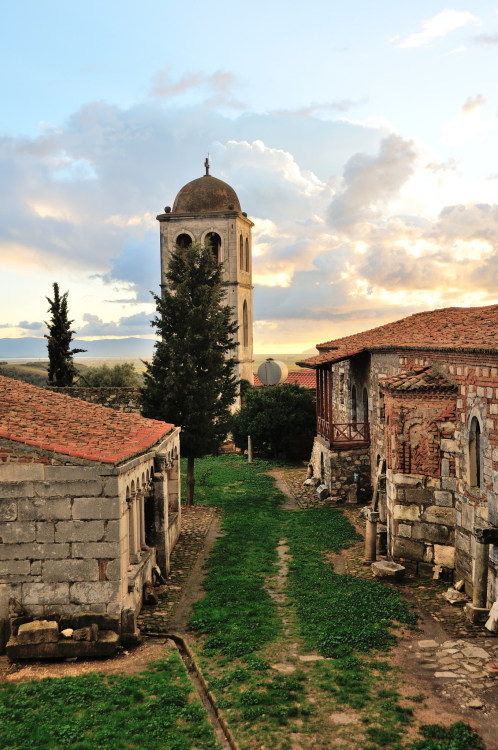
[322, 492]
[67, 632]
[388, 570]
[455, 597]
[428, 645]
[89, 633]
[106, 645]
[309, 482]
[39, 631]
[85, 619]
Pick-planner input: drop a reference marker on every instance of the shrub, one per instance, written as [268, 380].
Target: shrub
[281, 420]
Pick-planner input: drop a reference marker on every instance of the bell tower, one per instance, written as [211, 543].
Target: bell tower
[207, 211]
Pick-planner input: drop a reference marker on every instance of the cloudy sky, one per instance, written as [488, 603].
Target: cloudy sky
[361, 139]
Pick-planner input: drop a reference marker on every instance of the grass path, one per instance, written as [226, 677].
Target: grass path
[295, 653]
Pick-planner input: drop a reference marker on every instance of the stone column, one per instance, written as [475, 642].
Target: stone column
[480, 576]
[477, 612]
[141, 516]
[161, 514]
[133, 541]
[371, 535]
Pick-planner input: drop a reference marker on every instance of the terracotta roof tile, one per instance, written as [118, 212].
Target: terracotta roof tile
[468, 328]
[65, 425]
[306, 379]
[424, 379]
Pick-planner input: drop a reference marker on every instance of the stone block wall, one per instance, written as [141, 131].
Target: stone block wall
[120, 399]
[60, 537]
[337, 469]
[420, 519]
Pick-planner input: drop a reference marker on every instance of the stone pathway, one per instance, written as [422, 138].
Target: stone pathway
[305, 497]
[196, 522]
[465, 671]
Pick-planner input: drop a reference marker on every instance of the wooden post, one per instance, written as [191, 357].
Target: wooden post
[249, 449]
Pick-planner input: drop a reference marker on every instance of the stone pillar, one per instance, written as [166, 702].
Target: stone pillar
[141, 516]
[480, 576]
[173, 487]
[161, 514]
[133, 539]
[477, 612]
[249, 449]
[371, 535]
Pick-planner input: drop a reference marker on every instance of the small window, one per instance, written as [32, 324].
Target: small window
[241, 253]
[354, 408]
[245, 325]
[365, 405]
[213, 241]
[247, 255]
[183, 240]
[475, 453]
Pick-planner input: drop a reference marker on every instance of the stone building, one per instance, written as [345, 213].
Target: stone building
[407, 413]
[208, 211]
[89, 505]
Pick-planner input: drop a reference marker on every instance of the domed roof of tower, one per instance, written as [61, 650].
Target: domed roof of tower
[204, 195]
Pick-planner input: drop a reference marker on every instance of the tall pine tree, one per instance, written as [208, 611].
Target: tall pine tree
[61, 369]
[191, 379]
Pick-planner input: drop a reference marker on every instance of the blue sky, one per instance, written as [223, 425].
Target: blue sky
[361, 140]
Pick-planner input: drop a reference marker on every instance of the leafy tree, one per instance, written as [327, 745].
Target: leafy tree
[61, 369]
[117, 376]
[281, 419]
[191, 380]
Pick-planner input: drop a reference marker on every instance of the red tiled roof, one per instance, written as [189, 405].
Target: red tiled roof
[469, 328]
[423, 379]
[58, 423]
[304, 378]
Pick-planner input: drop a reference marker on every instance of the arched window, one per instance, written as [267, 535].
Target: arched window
[245, 324]
[354, 411]
[183, 240]
[241, 253]
[475, 453]
[247, 255]
[365, 405]
[213, 241]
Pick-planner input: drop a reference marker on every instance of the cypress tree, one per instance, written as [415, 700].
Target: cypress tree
[61, 369]
[191, 380]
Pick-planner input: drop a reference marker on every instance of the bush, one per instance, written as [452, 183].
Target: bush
[118, 376]
[281, 420]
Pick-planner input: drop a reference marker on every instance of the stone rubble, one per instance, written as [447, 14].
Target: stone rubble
[463, 669]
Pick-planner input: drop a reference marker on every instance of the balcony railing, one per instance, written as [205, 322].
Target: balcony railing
[344, 435]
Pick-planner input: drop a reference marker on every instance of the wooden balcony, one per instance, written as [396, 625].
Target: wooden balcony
[344, 436]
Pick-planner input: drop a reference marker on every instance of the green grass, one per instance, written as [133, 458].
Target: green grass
[152, 710]
[458, 736]
[237, 616]
[338, 613]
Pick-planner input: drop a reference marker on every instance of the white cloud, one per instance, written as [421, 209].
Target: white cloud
[354, 224]
[439, 26]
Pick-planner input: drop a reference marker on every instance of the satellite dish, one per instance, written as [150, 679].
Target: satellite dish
[272, 372]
